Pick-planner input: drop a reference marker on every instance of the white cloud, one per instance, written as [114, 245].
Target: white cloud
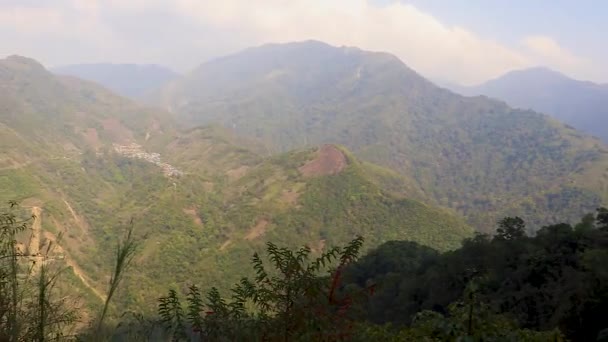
[419, 39]
[546, 51]
[191, 31]
[31, 20]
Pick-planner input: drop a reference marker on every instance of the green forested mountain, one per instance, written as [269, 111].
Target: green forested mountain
[476, 155]
[201, 201]
[55, 115]
[274, 165]
[49, 127]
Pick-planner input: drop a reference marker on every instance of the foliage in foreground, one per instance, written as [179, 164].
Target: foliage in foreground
[509, 288]
[30, 309]
[33, 307]
[295, 302]
[556, 279]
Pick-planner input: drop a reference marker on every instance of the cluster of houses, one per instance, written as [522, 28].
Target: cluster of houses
[134, 150]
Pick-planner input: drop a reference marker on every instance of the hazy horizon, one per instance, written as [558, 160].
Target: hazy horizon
[465, 43]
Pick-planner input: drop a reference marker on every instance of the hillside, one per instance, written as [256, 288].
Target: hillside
[130, 80]
[49, 127]
[582, 105]
[202, 200]
[476, 155]
[304, 197]
[62, 114]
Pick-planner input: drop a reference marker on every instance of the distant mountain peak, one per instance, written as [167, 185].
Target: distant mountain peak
[580, 104]
[534, 74]
[313, 61]
[301, 43]
[22, 63]
[539, 69]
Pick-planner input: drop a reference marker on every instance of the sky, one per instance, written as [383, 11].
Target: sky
[465, 42]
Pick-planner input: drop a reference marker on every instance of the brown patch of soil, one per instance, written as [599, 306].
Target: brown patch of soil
[192, 212]
[34, 243]
[328, 161]
[237, 173]
[116, 129]
[50, 237]
[32, 202]
[258, 230]
[92, 138]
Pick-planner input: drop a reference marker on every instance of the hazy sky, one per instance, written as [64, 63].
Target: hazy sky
[460, 41]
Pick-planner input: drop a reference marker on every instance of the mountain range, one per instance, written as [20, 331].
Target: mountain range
[87, 162]
[581, 104]
[298, 143]
[474, 154]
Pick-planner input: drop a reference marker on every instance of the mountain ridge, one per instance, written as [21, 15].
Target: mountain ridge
[94, 161]
[581, 104]
[459, 149]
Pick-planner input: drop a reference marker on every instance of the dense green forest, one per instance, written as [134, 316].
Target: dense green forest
[552, 286]
[510, 287]
[230, 199]
[476, 155]
[556, 279]
[114, 184]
